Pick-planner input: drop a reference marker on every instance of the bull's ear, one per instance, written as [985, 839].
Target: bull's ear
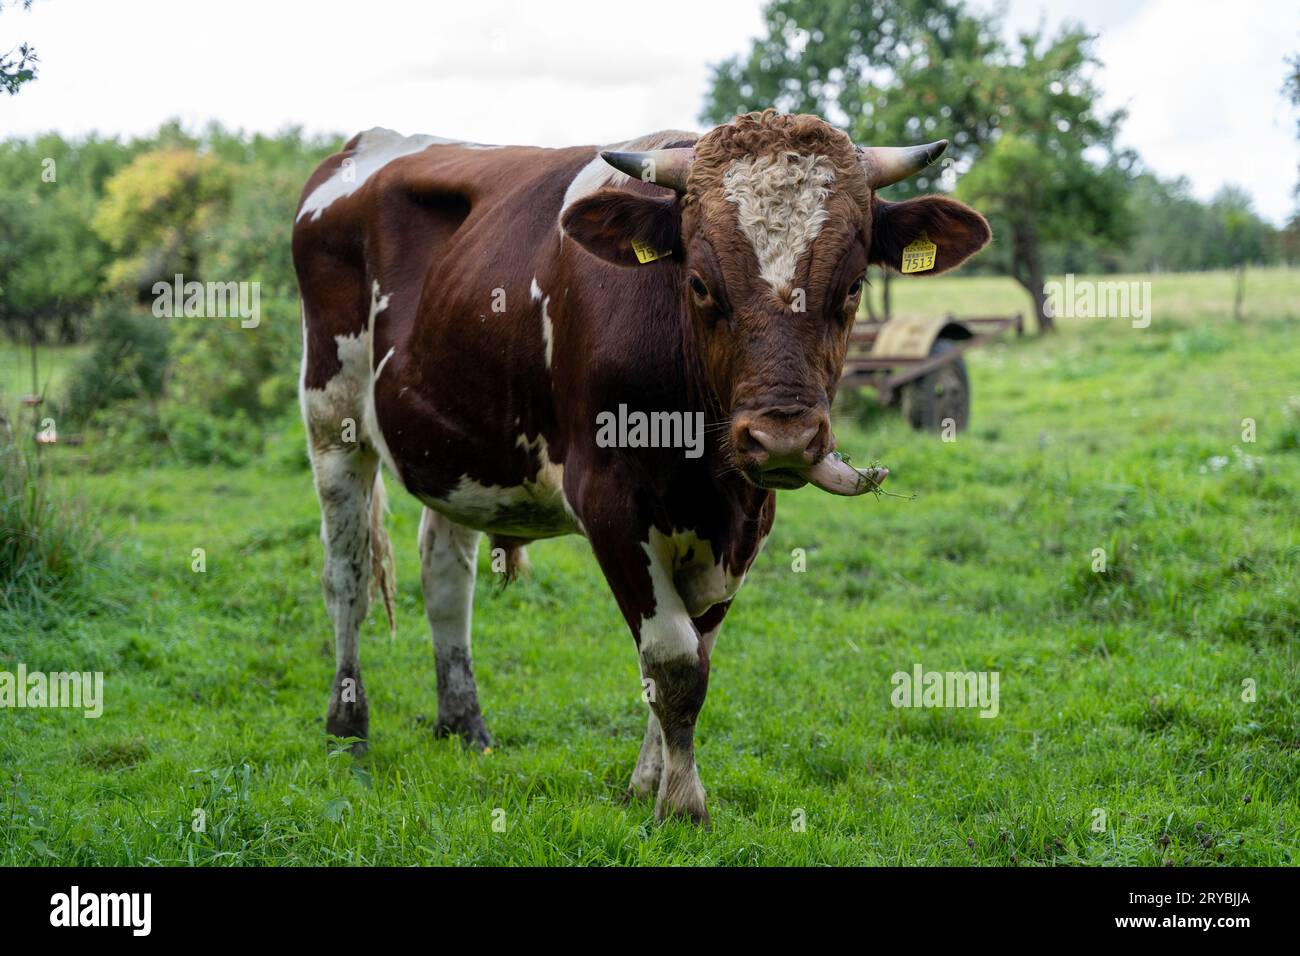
[624, 228]
[957, 231]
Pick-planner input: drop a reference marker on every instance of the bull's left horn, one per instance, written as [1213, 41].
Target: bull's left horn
[837, 476]
[886, 165]
[663, 167]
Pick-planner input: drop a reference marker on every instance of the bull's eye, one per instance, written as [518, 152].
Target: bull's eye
[698, 287]
[855, 288]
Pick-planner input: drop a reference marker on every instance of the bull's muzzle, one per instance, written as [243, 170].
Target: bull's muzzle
[781, 449]
[777, 448]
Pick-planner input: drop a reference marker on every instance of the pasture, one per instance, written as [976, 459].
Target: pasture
[1121, 692]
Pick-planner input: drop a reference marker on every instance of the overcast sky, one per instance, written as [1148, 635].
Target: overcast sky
[1201, 78]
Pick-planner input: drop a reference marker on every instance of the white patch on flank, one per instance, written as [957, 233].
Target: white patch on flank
[351, 392]
[344, 395]
[598, 173]
[781, 207]
[379, 370]
[542, 500]
[374, 150]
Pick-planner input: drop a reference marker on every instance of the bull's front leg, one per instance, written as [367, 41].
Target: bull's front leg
[674, 658]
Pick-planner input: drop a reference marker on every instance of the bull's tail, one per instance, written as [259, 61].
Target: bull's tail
[383, 577]
[515, 557]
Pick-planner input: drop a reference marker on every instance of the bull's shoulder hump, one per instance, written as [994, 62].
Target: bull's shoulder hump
[364, 156]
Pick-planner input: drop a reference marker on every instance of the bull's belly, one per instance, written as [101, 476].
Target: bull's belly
[533, 509]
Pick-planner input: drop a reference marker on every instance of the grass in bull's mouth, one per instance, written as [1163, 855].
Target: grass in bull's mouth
[1094, 538]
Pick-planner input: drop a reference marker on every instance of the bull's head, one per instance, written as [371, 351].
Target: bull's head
[775, 220]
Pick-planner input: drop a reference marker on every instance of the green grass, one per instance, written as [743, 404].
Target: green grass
[1119, 691]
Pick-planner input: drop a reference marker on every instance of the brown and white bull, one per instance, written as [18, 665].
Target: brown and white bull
[471, 314]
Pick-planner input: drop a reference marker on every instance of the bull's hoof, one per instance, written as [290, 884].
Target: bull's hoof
[471, 730]
[345, 730]
[350, 719]
[684, 801]
[348, 713]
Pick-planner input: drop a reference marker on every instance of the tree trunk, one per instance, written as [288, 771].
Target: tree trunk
[884, 296]
[1027, 267]
[1240, 300]
[35, 333]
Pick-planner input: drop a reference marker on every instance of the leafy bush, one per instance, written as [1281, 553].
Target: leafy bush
[44, 545]
[200, 437]
[129, 361]
[222, 368]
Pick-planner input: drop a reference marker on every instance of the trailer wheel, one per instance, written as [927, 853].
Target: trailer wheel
[943, 394]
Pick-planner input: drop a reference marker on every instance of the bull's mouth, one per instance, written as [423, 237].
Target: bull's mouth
[779, 479]
[831, 474]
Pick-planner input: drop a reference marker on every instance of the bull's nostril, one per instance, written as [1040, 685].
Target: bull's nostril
[748, 443]
[762, 439]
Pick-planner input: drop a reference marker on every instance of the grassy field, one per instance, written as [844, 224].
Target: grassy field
[1121, 692]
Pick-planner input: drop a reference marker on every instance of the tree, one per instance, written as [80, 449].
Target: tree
[51, 262]
[18, 66]
[1241, 236]
[154, 212]
[1039, 182]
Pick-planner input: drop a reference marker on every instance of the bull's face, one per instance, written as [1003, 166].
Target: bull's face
[771, 233]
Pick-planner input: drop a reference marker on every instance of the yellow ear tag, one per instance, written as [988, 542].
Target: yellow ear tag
[918, 256]
[647, 253]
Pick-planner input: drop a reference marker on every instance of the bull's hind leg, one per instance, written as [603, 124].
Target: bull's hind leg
[346, 470]
[345, 479]
[448, 566]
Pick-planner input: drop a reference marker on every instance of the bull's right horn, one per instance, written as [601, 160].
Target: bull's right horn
[663, 167]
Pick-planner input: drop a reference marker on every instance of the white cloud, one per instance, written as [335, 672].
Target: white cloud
[1201, 79]
[541, 73]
